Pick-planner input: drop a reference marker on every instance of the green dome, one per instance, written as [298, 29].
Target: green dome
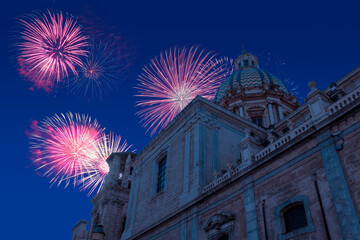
[248, 74]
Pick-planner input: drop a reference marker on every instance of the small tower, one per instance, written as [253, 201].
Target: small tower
[110, 204]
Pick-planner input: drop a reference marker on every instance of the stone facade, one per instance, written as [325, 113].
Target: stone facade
[230, 176]
[110, 204]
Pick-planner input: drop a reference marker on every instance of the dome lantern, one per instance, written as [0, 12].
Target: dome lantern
[245, 60]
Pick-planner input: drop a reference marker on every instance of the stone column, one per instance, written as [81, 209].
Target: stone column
[271, 113]
[241, 111]
[215, 149]
[185, 193]
[250, 210]
[199, 157]
[344, 206]
[125, 178]
[280, 110]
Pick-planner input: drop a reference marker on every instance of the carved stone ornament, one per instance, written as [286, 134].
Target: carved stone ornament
[116, 202]
[136, 171]
[202, 118]
[219, 224]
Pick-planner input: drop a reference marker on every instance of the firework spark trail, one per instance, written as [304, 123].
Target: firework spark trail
[100, 72]
[226, 65]
[292, 87]
[99, 169]
[277, 65]
[51, 47]
[172, 80]
[64, 146]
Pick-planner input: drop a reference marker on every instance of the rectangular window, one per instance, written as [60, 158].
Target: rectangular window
[161, 175]
[257, 120]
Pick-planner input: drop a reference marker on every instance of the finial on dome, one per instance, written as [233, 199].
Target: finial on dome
[243, 49]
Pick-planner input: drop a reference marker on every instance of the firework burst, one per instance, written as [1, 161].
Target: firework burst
[73, 148]
[64, 146]
[100, 72]
[51, 47]
[172, 80]
[96, 175]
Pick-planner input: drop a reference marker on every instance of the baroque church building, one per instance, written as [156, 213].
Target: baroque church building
[252, 164]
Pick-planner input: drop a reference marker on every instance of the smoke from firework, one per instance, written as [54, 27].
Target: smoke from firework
[108, 34]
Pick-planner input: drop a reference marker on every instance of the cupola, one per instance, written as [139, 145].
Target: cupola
[246, 60]
[254, 93]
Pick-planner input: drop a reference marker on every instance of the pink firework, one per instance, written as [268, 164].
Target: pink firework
[64, 146]
[99, 170]
[51, 47]
[171, 81]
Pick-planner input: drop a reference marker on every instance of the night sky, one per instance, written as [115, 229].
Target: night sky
[297, 40]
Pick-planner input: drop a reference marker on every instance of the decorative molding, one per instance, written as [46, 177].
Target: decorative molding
[284, 139]
[344, 101]
[116, 202]
[219, 224]
[201, 118]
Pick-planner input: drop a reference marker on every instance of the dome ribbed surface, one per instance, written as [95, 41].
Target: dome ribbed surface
[249, 77]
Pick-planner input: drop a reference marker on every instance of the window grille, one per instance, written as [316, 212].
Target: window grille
[161, 175]
[295, 218]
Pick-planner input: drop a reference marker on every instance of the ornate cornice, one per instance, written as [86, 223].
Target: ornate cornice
[203, 119]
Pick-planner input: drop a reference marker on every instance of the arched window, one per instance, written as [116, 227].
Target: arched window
[294, 217]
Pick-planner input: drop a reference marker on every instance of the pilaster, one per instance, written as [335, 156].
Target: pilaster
[344, 206]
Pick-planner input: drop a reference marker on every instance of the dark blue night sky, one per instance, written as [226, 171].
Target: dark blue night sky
[317, 42]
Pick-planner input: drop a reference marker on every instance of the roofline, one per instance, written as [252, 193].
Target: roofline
[79, 222]
[345, 77]
[198, 98]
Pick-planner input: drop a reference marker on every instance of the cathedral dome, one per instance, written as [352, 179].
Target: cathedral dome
[248, 74]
